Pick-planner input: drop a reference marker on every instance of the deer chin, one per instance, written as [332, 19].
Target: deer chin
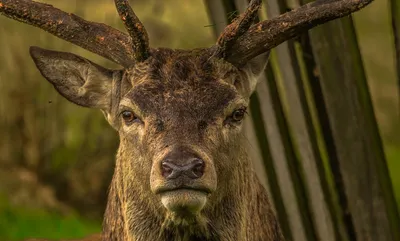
[184, 203]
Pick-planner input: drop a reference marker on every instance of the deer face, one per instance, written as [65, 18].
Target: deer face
[179, 116]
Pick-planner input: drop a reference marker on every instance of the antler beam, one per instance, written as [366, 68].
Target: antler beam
[268, 34]
[95, 37]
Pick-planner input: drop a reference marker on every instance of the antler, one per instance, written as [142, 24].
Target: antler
[246, 43]
[95, 37]
[139, 37]
[238, 43]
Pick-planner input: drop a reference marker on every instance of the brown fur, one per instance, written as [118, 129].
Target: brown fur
[183, 99]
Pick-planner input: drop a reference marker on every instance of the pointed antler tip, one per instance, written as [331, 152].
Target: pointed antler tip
[237, 28]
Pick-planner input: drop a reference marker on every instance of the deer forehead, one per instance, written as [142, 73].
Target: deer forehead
[157, 97]
[176, 82]
[179, 66]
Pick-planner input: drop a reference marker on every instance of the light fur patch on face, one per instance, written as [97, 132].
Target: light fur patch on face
[184, 202]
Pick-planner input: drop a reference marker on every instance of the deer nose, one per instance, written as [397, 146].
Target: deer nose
[192, 168]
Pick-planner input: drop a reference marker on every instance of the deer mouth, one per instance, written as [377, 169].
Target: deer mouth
[184, 200]
[163, 190]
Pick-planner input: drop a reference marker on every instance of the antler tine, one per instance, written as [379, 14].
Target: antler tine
[263, 36]
[139, 37]
[237, 28]
[95, 37]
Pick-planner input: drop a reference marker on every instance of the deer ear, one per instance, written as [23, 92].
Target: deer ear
[252, 71]
[77, 79]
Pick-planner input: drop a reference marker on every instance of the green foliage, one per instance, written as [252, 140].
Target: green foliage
[17, 223]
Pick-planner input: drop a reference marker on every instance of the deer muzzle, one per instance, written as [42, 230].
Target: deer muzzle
[183, 179]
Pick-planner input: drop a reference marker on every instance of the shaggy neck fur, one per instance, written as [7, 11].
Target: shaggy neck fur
[239, 210]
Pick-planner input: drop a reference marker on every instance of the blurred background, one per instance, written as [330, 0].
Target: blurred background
[56, 159]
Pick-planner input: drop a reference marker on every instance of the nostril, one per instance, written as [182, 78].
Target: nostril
[193, 170]
[197, 168]
[166, 169]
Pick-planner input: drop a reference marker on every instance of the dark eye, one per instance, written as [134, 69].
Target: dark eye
[129, 117]
[238, 115]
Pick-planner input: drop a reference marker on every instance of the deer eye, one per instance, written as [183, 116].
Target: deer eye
[237, 116]
[129, 117]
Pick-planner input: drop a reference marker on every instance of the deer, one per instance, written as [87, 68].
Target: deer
[182, 171]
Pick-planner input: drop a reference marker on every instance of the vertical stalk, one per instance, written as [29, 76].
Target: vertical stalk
[395, 8]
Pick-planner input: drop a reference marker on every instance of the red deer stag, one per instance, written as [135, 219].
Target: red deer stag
[182, 171]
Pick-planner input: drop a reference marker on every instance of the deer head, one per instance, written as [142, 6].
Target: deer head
[178, 112]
